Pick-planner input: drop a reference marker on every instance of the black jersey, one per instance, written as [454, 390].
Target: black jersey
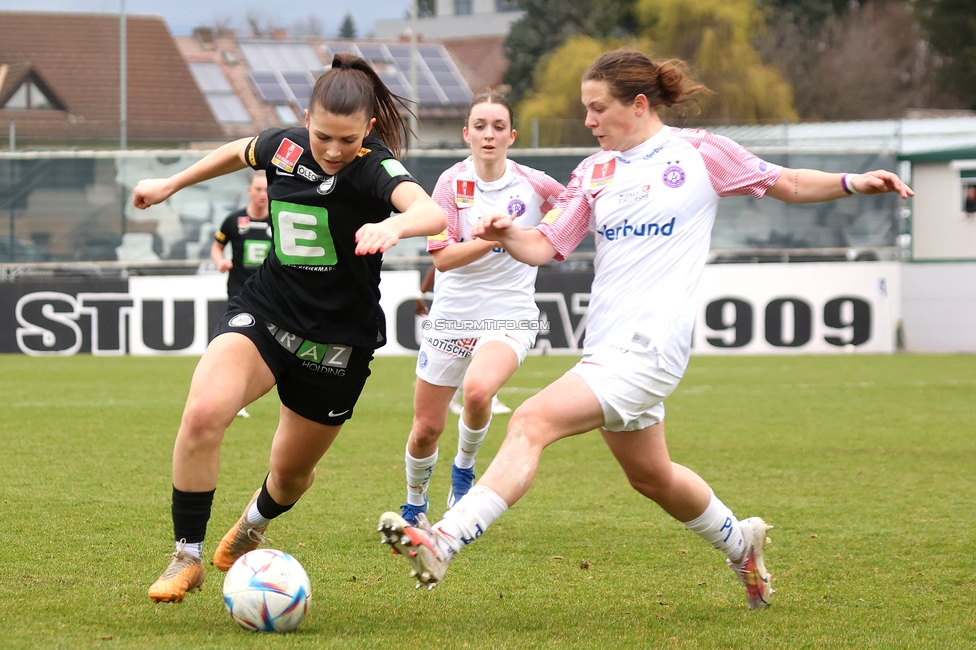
[250, 241]
[313, 284]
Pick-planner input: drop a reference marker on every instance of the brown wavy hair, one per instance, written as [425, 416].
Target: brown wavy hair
[351, 86]
[629, 73]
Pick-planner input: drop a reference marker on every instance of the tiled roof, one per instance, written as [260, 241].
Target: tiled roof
[223, 51]
[77, 55]
[481, 60]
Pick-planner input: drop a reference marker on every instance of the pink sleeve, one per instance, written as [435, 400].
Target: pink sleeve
[550, 191]
[732, 169]
[547, 188]
[567, 223]
[444, 196]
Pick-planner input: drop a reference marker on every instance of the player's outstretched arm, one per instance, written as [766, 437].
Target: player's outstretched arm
[460, 254]
[222, 160]
[527, 245]
[811, 185]
[419, 215]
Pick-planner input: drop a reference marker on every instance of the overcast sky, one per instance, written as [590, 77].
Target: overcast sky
[183, 15]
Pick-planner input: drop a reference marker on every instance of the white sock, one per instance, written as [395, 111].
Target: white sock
[191, 548]
[255, 518]
[418, 477]
[469, 518]
[719, 527]
[469, 442]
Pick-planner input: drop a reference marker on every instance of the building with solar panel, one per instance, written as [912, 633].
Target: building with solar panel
[254, 83]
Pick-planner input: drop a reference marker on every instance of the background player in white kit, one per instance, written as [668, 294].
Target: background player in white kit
[484, 318]
[650, 197]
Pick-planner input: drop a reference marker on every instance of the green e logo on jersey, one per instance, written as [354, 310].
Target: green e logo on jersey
[255, 250]
[301, 235]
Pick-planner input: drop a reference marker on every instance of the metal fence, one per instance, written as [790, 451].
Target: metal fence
[71, 209]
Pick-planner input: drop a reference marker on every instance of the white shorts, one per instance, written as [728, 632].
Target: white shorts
[630, 384]
[443, 362]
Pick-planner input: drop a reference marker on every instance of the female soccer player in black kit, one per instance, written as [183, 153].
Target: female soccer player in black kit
[310, 318]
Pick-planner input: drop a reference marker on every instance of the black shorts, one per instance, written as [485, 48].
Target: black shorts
[319, 381]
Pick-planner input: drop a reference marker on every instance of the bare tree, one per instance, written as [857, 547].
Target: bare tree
[312, 25]
[871, 63]
[262, 24]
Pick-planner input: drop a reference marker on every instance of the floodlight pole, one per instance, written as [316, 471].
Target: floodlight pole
[414, 95]
[123, 81]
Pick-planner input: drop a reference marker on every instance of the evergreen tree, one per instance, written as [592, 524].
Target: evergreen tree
[348, 28]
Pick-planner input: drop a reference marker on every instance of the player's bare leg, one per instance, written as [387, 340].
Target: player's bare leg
[564, 408]
[493, 364]
[298, 445]
[684, 495]
[217, 391]
[430, 405]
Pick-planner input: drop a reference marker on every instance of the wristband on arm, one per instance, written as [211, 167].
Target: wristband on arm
[847, 185]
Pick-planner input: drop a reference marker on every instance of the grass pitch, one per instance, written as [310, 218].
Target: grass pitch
[865, 464]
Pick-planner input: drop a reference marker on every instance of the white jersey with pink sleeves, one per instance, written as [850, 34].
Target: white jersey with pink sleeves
[495, 286]
[651, 209]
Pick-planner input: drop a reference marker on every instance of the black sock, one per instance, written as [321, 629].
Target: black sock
[267, 507]
[191, 512]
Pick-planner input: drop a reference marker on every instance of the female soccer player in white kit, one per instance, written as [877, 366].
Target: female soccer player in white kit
[484, 318]
[650, 197]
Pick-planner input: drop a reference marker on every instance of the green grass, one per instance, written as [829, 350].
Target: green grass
[865, 464]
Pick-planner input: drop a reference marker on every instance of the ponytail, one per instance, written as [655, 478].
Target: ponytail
[629, 73]
[351, 86]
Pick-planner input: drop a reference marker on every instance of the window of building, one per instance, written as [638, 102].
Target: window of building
[968, 183]
[29, 97]
[463, 7]
[506, 5]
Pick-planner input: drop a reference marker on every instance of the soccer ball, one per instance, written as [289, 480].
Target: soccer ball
[268, 591]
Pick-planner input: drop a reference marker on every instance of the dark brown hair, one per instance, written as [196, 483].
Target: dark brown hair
[491, 97]
[351, 86]
[629, 73]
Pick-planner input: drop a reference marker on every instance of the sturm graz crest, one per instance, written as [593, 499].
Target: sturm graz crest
[326, 186]
[241, 320]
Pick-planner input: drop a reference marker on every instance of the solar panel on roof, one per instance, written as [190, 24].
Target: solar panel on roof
[280, 56]
[227, 108]
[300, 82]
[272, 93]
[209, 77]
[438, 65]
[372, 52]
[458, 95]
[301, 92]
[445, 77]
[438, 80]
[268, 87]
[264, 77]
